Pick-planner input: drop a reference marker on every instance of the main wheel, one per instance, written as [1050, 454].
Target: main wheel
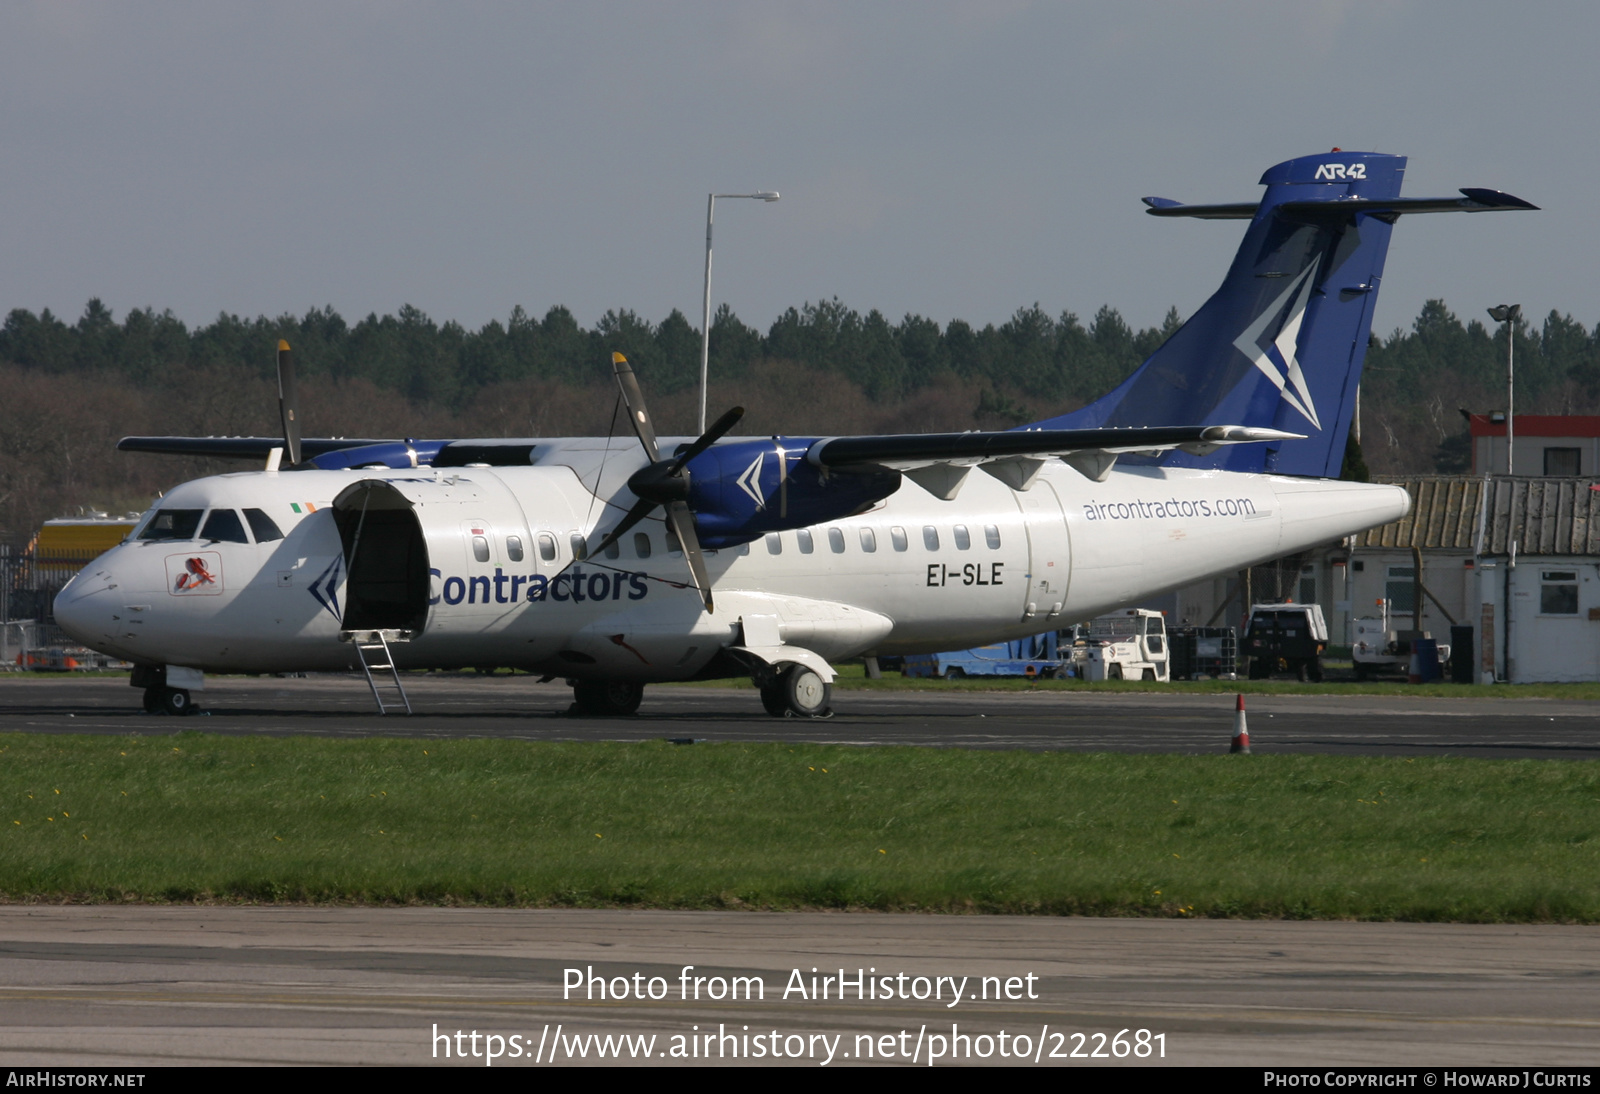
[607, 698]
[806, 692]
[176, 701]
[152, 700]
[773, 699]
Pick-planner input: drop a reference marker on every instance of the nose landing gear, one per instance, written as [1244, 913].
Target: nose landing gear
[160, 696]
[162, 700]
[606, 698]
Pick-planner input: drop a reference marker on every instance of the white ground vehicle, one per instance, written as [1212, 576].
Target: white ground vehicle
[1126, 645]
[1375, 648]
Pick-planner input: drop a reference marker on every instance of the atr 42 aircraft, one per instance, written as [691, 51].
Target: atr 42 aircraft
[613, 565]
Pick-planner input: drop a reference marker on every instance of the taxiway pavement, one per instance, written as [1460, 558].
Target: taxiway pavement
[132, 986]
[517, 707]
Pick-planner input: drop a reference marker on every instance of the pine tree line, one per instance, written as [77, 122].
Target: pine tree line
[72, 389]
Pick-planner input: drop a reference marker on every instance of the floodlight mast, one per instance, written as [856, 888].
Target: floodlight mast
[705, 326]
[1507, 314]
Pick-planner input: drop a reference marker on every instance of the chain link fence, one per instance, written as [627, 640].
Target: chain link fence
[29, 637]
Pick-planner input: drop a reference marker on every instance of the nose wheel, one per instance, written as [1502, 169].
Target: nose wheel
[798, 693]
[174, 701]
[607, 698]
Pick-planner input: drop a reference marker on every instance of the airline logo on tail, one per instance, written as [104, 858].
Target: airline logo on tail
[1277, 361]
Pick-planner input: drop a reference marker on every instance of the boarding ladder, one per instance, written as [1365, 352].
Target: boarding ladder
[372, 651]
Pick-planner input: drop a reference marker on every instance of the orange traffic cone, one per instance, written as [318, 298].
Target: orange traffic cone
[1241, 732]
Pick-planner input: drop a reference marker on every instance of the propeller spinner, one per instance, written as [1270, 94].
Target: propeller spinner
[664, 483]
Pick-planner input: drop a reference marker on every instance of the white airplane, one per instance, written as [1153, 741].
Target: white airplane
[614, 565]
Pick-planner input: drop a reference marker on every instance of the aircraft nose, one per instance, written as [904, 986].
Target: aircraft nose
[82, 608]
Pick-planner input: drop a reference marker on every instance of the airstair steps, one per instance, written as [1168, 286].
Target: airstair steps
[376, 658]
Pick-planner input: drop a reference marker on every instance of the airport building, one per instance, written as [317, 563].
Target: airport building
[1546, 445]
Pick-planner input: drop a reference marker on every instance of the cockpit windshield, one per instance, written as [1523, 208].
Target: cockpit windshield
[224, 526]
[173, 524]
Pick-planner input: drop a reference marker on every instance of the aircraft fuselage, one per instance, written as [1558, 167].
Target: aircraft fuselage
[478, 564]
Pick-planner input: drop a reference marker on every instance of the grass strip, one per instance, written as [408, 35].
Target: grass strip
[207, 818]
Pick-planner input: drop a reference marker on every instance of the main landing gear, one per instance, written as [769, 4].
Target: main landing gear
[163, 700]
[796, 692]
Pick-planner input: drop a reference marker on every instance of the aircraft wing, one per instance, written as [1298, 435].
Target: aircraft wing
[939, 461]
[236, 448]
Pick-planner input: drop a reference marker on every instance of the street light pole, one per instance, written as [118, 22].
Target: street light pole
[705, 326]
[1508, 314]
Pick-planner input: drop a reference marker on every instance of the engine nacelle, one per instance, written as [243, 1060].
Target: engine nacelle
[741, 490]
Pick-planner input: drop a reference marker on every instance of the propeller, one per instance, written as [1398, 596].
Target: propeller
[664, 483]
[288, 401]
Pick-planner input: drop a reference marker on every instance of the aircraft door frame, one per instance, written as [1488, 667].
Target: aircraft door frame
[1049, 553]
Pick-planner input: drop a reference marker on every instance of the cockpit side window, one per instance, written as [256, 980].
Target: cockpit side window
[173, 524]
[225, 525]
[263, 527]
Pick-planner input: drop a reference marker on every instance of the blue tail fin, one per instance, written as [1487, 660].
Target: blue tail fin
[1281, 343]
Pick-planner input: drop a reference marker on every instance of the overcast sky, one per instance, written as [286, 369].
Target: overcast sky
[952, 160]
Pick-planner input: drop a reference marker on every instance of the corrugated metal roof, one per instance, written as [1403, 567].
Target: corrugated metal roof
[1444, 514]
[1544, 515]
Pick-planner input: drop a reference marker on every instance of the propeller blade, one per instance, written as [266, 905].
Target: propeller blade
[288, 402]
[709, 437]
[682, 522]
[633, 399]
[640, 510]
[651, 484]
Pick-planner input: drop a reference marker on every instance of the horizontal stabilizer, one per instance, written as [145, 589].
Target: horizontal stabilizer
[1473, 200]
[1166, 207]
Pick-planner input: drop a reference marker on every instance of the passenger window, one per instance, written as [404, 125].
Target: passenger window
[774, 543]
[514, 548]
[869, 540]
[930, 537]
[225, 525]
[263, 527]
[897, 536]
[991, 535]
[613, 550]
[480, 548]
[803, 536]
[547, 546]
[641, 544]
[963, 540]
[173, 524]
[580, 547]
[836, 541]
